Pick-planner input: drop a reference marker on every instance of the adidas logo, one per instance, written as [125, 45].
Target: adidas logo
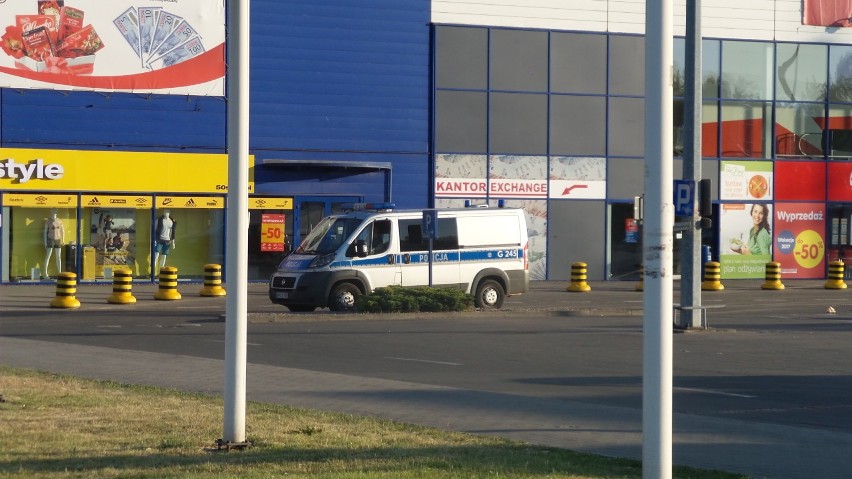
[190, 203]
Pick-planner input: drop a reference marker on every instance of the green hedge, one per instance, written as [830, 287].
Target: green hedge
[396, 299]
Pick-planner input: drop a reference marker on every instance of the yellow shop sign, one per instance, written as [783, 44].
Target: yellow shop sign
[190, 202]
[130, 171]
[40, 201]
[112, 201]
[270, 203]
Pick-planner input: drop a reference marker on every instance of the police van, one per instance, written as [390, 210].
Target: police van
[480, 250]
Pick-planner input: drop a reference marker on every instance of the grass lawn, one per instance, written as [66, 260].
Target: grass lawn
[55, 426]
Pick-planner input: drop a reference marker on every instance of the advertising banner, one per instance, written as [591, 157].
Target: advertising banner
[745, 237]
[140, 46]
[826, 13]
[840, 181]
[577, 178]
[113, 236]
[272, 232]
[799, 241]
[800, 181]
[746, 180]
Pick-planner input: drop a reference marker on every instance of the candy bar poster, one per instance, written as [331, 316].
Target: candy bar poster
[154, 46]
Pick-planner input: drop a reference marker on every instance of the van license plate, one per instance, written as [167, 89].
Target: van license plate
[281, 295]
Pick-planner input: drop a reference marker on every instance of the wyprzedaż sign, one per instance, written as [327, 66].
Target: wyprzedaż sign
[272, 232]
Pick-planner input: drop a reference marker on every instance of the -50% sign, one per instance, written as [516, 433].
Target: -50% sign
[272, 232]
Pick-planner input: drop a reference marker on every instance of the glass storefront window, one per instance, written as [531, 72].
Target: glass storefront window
[39, 242]
[745, 129]
[198, 234]
[114, 238]
[709, 67]
[839, 132]
[798, 130]
[840, 73]
[801, 73]
[747, 70]
[270, 238]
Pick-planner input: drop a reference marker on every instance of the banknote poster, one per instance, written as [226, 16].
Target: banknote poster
[176, 48]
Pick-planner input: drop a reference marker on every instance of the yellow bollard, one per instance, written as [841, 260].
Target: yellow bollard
[578, 278]
[640, 286]
[212, 281]
[168, 284]
[835, 275]
[772, 276]
[122, 283]
[66, 292]
[712, 275]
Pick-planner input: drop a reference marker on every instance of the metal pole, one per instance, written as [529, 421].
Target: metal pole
[691, 257]
[236, 220]
[658, 244]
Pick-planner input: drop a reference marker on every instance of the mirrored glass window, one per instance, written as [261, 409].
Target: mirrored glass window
[709, 67]
[462, 57]
[626, 126]
[627, 65]
[840, 74]
[577, 63]
[518, 60]
[801, 72]
[798, 130]
[746, 129]
[747, 70]
[577, 125]
[518, 123]
[460, 121]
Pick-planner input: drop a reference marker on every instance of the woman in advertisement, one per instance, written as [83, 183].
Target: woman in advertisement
[759, 237]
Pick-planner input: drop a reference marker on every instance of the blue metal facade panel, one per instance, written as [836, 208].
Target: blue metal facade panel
[89, 120]
[341, 76]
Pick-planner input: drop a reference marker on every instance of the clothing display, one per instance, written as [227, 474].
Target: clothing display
[54, 238]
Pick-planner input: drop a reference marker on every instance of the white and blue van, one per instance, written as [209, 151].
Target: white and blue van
[482, 251]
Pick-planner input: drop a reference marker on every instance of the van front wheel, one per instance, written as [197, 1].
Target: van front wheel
[489, 295]
[343, 297]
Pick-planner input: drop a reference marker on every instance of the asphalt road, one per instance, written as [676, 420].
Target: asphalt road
[773, 358]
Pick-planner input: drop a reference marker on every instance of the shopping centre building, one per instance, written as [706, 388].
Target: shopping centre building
[112, 115]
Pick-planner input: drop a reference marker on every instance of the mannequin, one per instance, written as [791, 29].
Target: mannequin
[107, 228]
[164, 240]
[54, 238]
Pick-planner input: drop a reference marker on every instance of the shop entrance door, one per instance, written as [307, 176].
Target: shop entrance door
[309, 210]
[625, 244]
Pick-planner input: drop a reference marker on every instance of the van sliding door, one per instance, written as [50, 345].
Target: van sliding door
[414, 253]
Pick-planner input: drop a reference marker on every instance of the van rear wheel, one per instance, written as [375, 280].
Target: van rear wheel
[343, 297]
[489, 295]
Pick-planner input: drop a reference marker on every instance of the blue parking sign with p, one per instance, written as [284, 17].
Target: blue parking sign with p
[684, 197]
[430, 223]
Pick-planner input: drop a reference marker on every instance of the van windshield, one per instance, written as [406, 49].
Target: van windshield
[328, 235]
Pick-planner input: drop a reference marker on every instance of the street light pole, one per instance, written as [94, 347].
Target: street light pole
[236, 221]
[657, 246]
[691, 257]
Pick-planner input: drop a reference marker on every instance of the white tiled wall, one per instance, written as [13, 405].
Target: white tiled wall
[745, 19]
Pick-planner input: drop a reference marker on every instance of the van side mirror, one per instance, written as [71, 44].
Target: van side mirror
[361, 248]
